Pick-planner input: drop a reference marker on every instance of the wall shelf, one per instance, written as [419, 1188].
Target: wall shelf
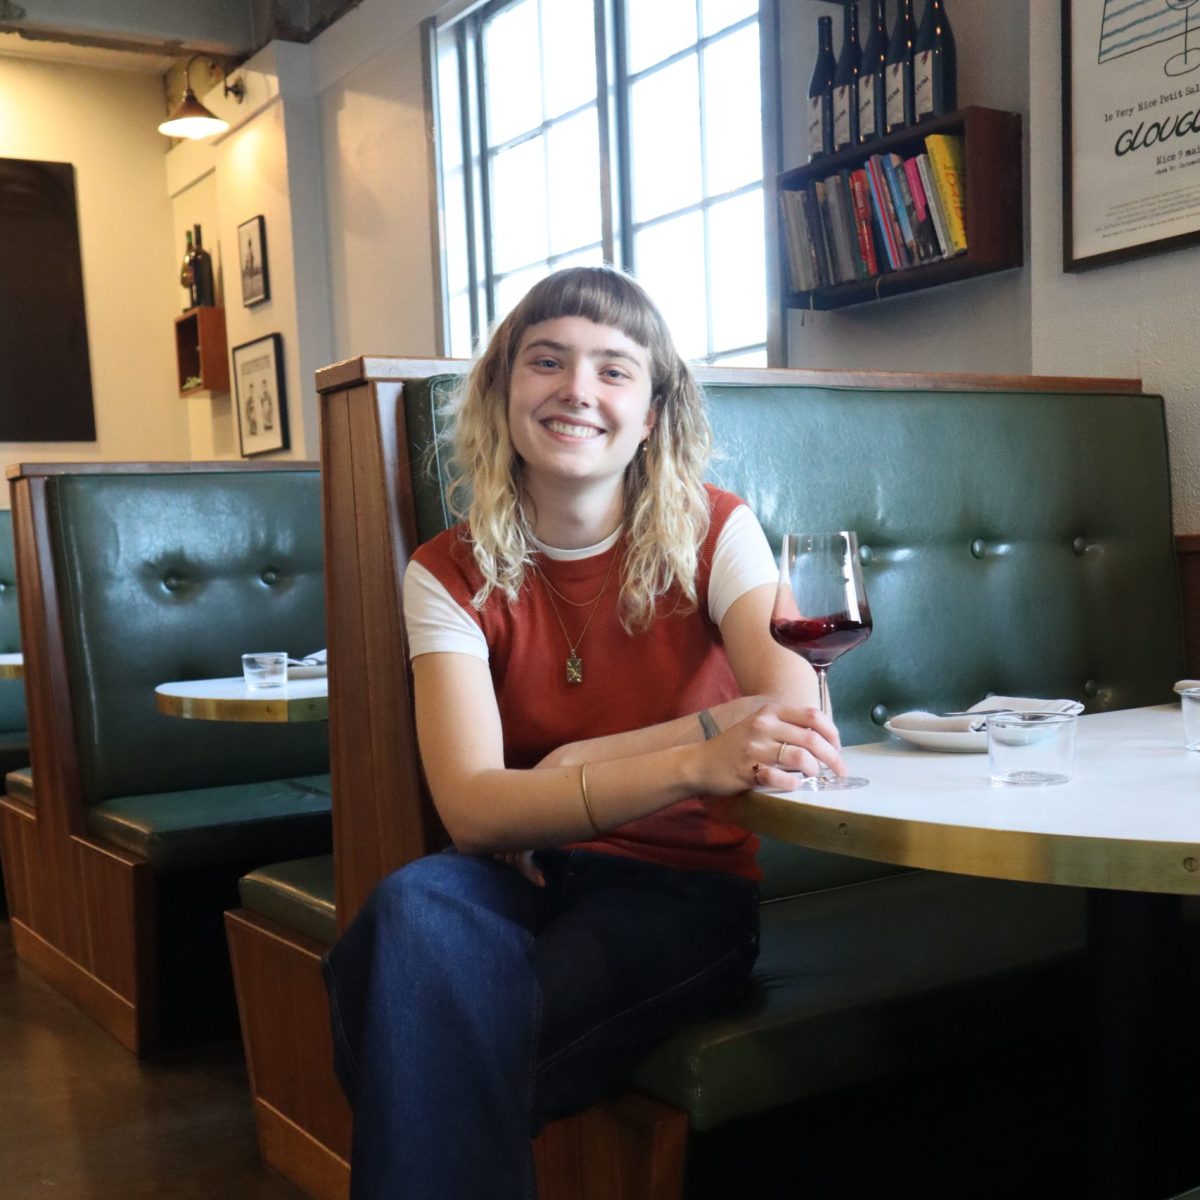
[201, 351]
[993, 206]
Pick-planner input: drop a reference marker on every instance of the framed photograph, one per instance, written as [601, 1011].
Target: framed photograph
[1131, 129]
[252, 261]
[259, 396]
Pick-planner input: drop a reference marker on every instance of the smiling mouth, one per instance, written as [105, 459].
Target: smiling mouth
[570, 430]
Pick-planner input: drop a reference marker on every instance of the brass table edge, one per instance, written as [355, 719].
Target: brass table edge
[273, 711]
[12, 670]
[1125, 864]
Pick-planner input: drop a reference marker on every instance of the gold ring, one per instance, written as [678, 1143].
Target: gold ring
[779, 757]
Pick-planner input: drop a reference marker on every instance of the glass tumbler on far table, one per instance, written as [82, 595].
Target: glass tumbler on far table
[820, 613]
[266, 669]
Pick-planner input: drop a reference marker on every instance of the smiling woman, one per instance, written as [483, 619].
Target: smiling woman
[594, 901]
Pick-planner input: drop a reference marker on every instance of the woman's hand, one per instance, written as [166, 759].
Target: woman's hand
[770, 749]
[522, 862]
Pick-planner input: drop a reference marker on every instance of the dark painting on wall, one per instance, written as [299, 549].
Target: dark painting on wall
[45, 373]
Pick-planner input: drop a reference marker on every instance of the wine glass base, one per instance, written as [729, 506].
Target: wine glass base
[832, 783]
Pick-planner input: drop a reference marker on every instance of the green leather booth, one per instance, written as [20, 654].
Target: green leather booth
[14, 732]
[174, 577]
[1000, 555]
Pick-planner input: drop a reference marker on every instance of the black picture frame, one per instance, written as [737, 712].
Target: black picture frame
[253, 266]
[260, 399]
[1130, 131]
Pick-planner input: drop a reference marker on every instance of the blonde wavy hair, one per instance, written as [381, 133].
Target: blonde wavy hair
[666, 509]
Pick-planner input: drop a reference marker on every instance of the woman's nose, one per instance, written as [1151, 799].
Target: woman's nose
[577, 388]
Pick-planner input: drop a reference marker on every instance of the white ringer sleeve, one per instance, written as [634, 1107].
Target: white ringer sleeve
[435, 621]
[742, 560]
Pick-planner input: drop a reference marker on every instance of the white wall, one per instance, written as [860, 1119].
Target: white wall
[1136, 319]
[104, 123]
[975, 325]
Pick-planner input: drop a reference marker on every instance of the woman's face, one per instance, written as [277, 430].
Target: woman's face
[579, 403]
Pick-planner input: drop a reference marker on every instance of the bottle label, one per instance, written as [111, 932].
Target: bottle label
[866, 107]
[923, 83]
[894, 77]
[816, 123]
[841, 115]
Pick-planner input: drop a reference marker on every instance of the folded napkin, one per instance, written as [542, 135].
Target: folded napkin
[974, 719]
[316, 659]
[311, 666]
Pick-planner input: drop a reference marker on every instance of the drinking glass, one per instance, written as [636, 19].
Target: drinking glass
[821, 612]
[265, 669]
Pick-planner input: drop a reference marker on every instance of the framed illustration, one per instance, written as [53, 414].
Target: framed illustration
[1131, 129]
[258, 394]
[252, 261]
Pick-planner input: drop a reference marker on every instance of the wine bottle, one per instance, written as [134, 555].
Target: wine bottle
[202, 271]
[187, 278]
[845, 84]
[872, 113]
[820, 93]
[935, 64]
[900, 69]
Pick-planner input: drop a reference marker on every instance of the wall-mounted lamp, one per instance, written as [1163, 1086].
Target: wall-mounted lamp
[191, 119]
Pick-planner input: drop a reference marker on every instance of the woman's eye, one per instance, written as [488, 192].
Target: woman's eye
[615, 373]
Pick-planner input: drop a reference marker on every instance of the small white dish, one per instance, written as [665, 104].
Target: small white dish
[1183, 685]
[941, 741]
[311, 671]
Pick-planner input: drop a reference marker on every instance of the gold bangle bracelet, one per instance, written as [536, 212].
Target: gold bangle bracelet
[587, 803]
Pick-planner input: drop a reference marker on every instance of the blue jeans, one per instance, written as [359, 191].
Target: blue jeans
[470, 1006]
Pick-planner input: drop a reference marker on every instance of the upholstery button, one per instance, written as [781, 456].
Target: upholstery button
[865, 554]
[172, 583]
[3, 585]
[1079, 545]
[978, 548]
[1091, 689]
[269, 576]
[879, 714]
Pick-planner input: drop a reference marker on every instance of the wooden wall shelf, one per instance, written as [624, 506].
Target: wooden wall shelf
[993, 205]
[202, 351]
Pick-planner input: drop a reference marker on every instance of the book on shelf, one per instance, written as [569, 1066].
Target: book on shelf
[934, 245]
[892, 241]
[946, 156]
[816, 231]
[924, 240]
[798, 281]
[862, 220]
[925, 170]
[900, 208]
[841, 209]
[823, 219]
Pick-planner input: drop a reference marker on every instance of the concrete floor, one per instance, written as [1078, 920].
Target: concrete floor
[82, 1119]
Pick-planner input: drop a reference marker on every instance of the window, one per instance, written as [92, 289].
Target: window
[590, 131]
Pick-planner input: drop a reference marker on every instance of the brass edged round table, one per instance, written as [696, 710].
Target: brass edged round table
[1126, 828]
[231, 700]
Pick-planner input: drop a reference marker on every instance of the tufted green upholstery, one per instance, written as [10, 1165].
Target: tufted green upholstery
[14, 737]
[174, 576]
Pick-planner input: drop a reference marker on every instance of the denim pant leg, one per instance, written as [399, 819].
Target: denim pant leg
[434, 1007]
[632, 953]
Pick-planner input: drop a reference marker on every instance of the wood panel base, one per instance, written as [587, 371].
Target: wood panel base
[629, 1148]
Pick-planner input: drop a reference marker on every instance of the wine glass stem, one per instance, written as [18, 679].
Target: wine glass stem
[823, 692]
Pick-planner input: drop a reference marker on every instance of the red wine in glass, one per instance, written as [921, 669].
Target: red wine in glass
[821, 612]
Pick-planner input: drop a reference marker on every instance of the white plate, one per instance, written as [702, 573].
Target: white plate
[302, 672]
[945, 742]
[1184, 684]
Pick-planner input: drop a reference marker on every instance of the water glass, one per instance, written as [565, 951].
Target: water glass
[1191, 717]
[1031, 748]
[267, 669]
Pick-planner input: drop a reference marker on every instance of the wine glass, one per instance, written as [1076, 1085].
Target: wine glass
[821, 612]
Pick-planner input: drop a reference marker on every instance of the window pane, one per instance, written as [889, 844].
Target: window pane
[458, 336]
[449, 103]
[670, 265]
[656, 29]
[454, 232]
[512, 72]
[568, 54]
[718, 14]
[511, 288]
[747, 358]
[592, 256]
[519, 206]
[732, 112]
[574, 149]
[737, 272]
[665, 139]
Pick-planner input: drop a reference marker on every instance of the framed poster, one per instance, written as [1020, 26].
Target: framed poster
[259, 396]
[1131, 128]
[252, 261]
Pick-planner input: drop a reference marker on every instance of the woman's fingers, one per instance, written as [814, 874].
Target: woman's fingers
[522, 862]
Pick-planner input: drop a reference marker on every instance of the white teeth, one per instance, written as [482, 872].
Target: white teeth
[579, 431]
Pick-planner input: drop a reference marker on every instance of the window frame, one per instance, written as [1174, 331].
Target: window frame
[618, 233]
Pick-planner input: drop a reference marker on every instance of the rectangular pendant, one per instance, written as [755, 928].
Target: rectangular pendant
[574, 668]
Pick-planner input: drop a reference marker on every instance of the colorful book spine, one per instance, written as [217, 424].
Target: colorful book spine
[946, 155]
[921, 204]
[862, 219]
[816, 231]
[902, 221]
[879, 202]
[797, 280]
[922, 231]
[925, 169]
[857, 258]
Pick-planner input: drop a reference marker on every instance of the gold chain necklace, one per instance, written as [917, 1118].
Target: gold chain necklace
[574, 662]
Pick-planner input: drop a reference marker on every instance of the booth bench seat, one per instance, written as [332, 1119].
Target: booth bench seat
[121, 862]
[998, 558]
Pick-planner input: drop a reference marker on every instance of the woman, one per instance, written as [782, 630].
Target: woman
[591, 659]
